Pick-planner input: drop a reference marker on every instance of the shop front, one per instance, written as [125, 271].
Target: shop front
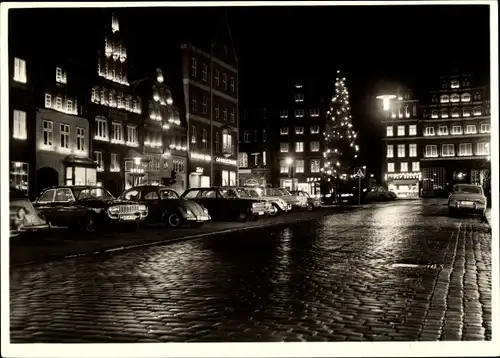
[134, 169]
[225, 172]
[405, 185]
[80, 170]
[175, 165]
[199, 171]
[254, 177]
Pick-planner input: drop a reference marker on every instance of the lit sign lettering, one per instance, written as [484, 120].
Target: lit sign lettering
[226, 161]
[199, 170]
[198, 156]
[416, 175]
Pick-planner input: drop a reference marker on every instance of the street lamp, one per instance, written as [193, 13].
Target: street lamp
[289, 162]
[386, 106]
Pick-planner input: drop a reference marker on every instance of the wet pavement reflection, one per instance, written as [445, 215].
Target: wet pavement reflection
[364, 275]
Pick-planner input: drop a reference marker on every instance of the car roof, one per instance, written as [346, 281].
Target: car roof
[75, 187]
[477, 185]
[147, 186]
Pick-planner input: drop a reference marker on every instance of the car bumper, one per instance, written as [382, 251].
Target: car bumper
[257, 212]
[198, 219]
[467, 207]
[125, 219]
[27, 229]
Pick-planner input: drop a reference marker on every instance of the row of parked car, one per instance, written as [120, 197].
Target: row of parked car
[90, 208]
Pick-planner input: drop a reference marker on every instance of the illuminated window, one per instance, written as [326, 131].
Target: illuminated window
[284, 147]
[483, 148]
[435, 114]
[242, 159]
[204, 71]
[80, 139]
[101, 128]
[390, 130]
[284, 130]
[48, 100]
[431, 151]
[284, 113]
[477, 111]
[445, 98]
[299, 113]
[132, 135]
[246, 137]
[299, 130]
[231, 84]
[58, 74]
[64, 136]
[465, 149]
[204, 138]
[114, 167]
[283, 166]
[315, 166]
[116, 132]
[415, 166]
[401, 130]
[470, 129]
[444, 113]
[193, 67]
[314, 145]
[264, 158]
[455, 97]
[443, 130]
[455, 113]
[485, 128]
[19, 176]
[299, 147]
[58, 103]
[466, 97]
[299, 97]
[48, 133]
[390, 167]
[299, 166]
[390, 151]
[413, 150]
[20, 70]
[393, 112]
[456, 130]
[401, 150]
[407, 112]
[69, 106]
[400, 112]
[466, 112]
[216, 78]
[455, 84]
[227, 141]
[448, 150]
[429, 131]
[413, 129]
[193, 134]
[314, 112]
[19, 130]
[98, 160]
[404, 166]
[224, 81]
[314, 129]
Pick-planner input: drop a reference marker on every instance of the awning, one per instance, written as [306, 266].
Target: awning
[73, 160]
[404, 182]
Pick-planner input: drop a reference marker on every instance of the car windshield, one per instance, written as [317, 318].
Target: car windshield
[272, 192]
[284, 191]
[468, 189]
[92, 193]
[252, 193]
[168, 194]
[242, 193]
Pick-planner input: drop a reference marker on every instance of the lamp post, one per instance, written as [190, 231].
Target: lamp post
[289, 162]
[386, 106]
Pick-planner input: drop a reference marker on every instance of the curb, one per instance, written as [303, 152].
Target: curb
[158, 242]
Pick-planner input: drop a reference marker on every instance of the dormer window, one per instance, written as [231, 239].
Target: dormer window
[407, 112]
[445, 98]
[455, 98]
[299, 97]
[284, 113]
[435, 114]
[455, 113]
[455, 84]
[477, 111]
[58, 74]
[466, 97]
[466, 112]
[298, 85]
[444, 113]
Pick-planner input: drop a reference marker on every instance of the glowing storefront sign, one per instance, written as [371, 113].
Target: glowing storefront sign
[416, 175]
[199, 170]
[226, 161]
[198, 156]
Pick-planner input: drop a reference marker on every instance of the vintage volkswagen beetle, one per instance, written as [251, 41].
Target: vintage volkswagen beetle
[165, 206]
[88, 207]
[23, 215]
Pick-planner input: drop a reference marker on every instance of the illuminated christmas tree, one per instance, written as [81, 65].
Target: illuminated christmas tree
[341, 150]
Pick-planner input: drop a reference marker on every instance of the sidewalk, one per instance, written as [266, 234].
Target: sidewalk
[61, 243]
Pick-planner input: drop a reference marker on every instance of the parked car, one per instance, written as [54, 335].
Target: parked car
[277, 203]
[467, 198]
[312, 201]
[88, 207]
[294, 200]
[165, 206]
[379, 193]
[274, 193]
[224, 204]
[244, 193]
[23, 215]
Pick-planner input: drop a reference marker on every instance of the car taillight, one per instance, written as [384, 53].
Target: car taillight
[21, 213]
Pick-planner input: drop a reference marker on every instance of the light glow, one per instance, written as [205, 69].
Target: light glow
[386, 100]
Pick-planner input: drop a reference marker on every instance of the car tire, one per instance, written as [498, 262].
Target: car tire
[173, 219]
[89, 223]
[277, 210]
[196, 225]
[310, 207]
[243, 217]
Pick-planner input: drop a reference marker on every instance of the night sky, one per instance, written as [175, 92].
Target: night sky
[372, 45]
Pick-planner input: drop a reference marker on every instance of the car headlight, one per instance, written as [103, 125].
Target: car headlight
[189, 212]
[114, 210]
[205, 211]
[143, 208]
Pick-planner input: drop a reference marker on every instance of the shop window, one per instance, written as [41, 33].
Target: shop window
[19, 176]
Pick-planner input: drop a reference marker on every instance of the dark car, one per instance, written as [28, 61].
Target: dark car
[88, 207]
[23, 216]
[165, 205]
[223, 204]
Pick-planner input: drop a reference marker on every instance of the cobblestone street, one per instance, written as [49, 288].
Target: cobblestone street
[400, 271]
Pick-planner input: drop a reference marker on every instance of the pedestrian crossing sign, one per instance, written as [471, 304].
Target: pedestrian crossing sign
[360, 173]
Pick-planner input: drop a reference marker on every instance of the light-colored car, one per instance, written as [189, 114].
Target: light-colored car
[312, 201]
[274, 193]
[278, 205]
[467, 198]
[380, 193]
[294, 200]
[23, 215]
